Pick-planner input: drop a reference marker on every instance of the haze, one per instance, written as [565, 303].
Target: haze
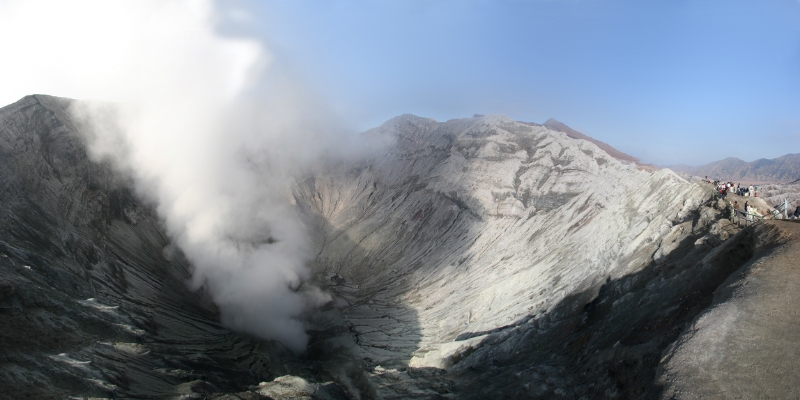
[218, 107]
[664, 81]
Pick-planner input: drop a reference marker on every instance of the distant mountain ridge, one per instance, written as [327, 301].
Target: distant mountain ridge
[559, 126]
[777, 170]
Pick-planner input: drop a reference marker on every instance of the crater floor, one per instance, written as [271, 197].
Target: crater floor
[474, 258]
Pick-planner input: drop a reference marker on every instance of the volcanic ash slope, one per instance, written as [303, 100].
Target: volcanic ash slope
[745, 344]
[474, 258]
[93, 298]
[469, 229]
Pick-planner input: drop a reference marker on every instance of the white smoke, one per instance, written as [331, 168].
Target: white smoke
[208, 127]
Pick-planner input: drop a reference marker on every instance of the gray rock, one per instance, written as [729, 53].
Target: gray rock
[475, 258]
[479, 247]
[745, 344]
[93, 299]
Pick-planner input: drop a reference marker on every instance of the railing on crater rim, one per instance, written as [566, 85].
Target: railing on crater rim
[784, 209]
[779, 212]
[740, 216]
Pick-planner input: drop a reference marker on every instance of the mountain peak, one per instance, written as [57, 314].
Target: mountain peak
[555, 122]
[559, 126]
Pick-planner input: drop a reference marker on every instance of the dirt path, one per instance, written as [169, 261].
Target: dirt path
[745, 345]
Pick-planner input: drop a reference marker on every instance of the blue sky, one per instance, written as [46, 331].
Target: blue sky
[667, 81]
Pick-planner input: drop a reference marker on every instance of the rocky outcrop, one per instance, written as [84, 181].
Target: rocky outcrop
[93, 299]
[781, 195]
[479, 256]
[559, 126]
[744, 344]
[474, 258]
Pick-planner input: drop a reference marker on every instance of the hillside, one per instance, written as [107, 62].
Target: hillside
[561, 127]
[474, 258]
[783, 169]
[490, 258]
[94, 298]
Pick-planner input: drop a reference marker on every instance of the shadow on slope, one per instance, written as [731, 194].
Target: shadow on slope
[387, 238]
[90, 302]
[608, 345]
[745, 344]
[379, 227]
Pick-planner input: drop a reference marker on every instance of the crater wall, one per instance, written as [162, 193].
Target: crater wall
[470, 229]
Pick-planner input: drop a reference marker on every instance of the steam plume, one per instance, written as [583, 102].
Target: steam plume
[203, 124]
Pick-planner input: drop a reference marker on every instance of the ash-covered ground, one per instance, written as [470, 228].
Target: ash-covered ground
[476, 258]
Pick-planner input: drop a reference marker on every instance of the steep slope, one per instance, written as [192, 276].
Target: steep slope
[559, 126]
[783, 169]
[780, 195]
[745, 344]
[449, 251]
[93, 300]
[474, 258]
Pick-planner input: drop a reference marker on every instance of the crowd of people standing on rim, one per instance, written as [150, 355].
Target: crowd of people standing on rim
[723, 188]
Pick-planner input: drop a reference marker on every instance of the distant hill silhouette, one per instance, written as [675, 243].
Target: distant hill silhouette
[783, 169]
[561, 127]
